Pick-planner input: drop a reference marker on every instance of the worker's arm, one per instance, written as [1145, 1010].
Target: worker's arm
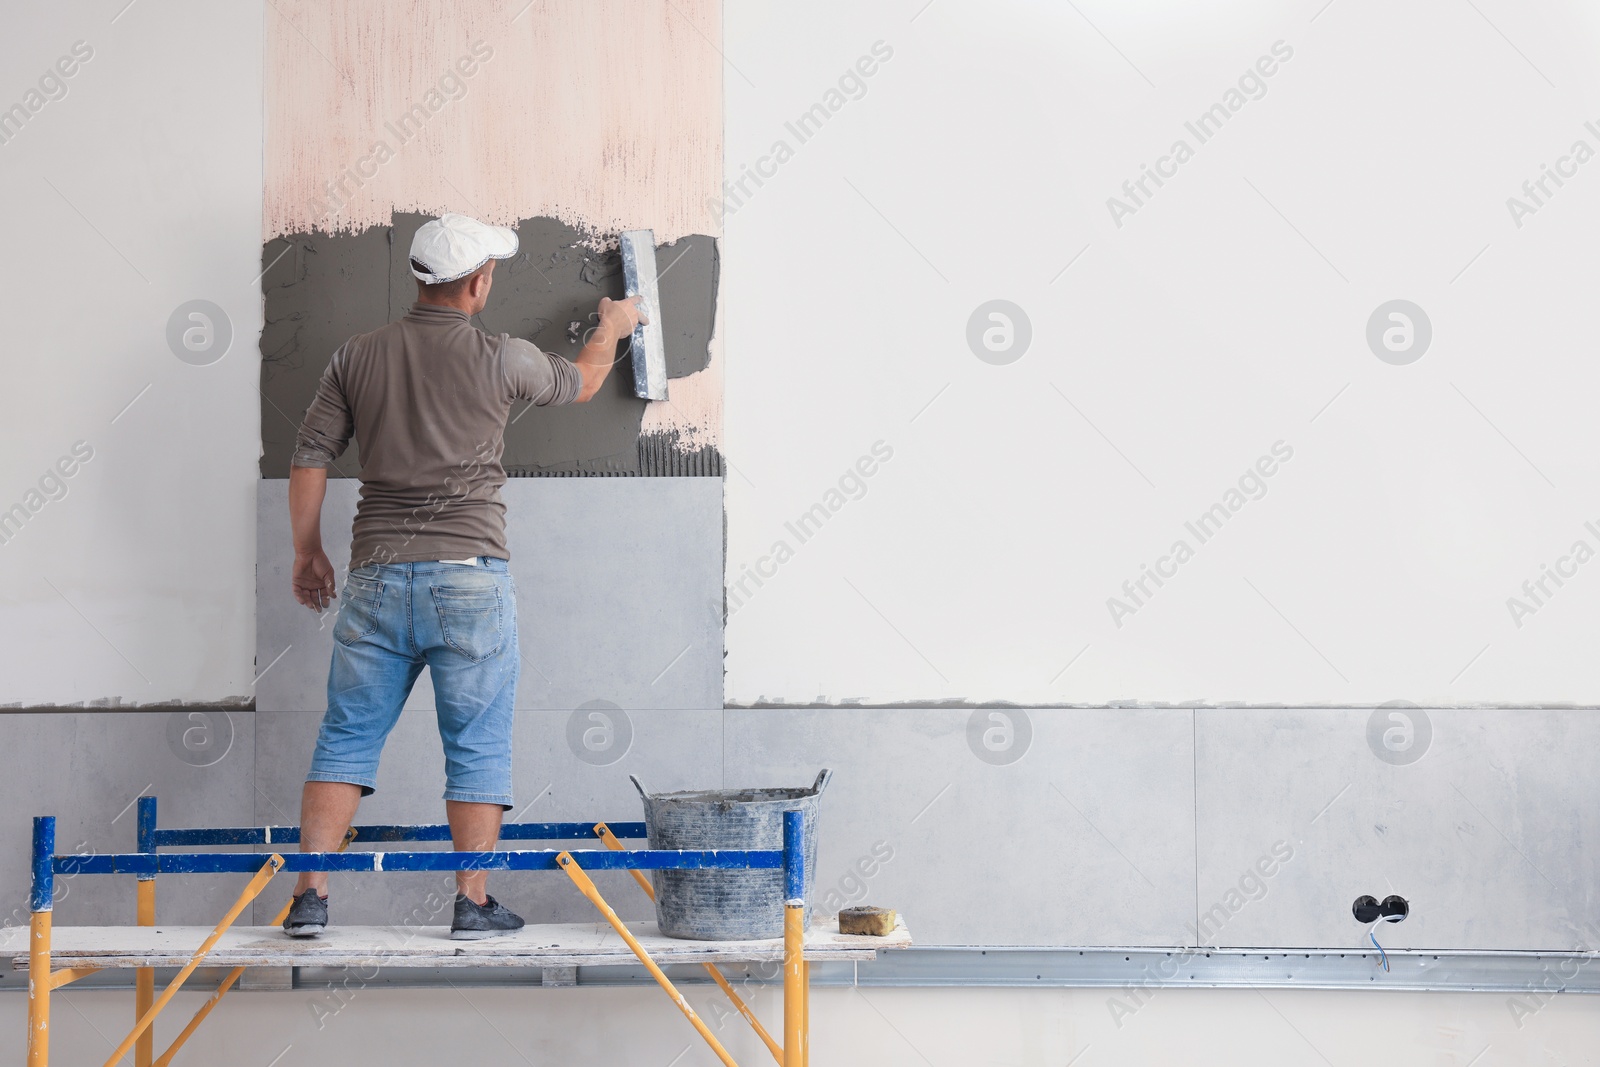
[599, 355]
[313, 576]
[324, 435]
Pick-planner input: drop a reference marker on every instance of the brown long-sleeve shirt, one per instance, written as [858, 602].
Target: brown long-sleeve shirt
[426, 399]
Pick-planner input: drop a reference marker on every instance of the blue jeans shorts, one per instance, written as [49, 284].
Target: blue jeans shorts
[395, 618]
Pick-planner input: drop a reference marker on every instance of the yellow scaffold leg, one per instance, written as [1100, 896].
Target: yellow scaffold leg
[587, 888]
[794, 1003]
[273, 865]
[611, 841]
[39, 990]
[144, 979]
[805, 1014]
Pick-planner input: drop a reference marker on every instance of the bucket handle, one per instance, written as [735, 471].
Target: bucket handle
[824, 776]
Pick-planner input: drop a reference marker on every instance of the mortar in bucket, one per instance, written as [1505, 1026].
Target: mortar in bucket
[727, 905]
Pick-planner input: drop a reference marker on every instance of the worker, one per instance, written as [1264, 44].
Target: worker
[426, 400]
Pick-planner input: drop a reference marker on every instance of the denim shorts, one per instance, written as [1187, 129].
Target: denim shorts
[458, 621]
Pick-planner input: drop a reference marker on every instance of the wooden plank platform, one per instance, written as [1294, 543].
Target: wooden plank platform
[552, 945]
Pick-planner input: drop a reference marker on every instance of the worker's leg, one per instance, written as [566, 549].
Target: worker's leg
[470, 644]
[326, 811]
[374, 667]
[473, 828]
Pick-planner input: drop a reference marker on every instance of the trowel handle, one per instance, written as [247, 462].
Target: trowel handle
[824, 776]
[634, 778]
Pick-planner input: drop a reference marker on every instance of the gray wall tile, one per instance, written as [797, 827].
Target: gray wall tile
[1493, 834]
[619, 586]
[1086, 839]
[86, 768]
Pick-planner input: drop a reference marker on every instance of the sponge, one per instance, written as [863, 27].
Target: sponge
[875, 922]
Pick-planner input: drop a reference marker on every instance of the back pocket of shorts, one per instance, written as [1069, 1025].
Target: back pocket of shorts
[471, 620]
[358, 615]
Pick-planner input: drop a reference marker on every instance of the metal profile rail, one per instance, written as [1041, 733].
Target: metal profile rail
[148, 862]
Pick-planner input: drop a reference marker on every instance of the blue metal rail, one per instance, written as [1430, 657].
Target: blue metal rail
[290, 835]
[149, 861]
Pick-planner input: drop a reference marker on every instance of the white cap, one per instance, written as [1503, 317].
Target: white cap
[453, 246]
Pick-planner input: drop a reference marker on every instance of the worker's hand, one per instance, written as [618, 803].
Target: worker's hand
[313, 578]
[620, 316]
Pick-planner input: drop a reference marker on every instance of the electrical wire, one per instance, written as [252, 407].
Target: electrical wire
[1372, 934]
[1379, 947]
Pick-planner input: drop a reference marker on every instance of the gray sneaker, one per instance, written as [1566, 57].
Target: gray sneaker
[308, 915]
[474, 922]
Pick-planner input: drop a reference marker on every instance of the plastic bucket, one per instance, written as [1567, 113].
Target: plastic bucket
[727, 905]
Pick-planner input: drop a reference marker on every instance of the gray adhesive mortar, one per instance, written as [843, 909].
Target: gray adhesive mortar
[322, 289]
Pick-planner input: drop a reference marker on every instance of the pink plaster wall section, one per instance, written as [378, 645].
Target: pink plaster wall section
[606, 114]
[693, 409]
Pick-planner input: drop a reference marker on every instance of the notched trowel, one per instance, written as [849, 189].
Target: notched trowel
[649, 343]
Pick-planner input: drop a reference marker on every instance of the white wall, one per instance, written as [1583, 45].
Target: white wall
[1168, 354]
[849, 1028]
[136, 192]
